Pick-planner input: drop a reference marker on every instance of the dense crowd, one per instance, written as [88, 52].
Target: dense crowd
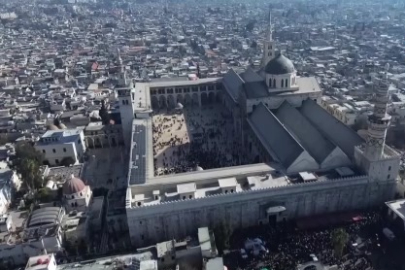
[195, 138]
[289, 247]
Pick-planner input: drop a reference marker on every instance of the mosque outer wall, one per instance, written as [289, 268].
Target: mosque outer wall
[176, 220]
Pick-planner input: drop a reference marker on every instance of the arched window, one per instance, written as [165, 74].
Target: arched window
[282, 83]
[286, 82]
[270, 83]
[274, 83]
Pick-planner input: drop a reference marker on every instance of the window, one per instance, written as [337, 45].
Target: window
[142, 237]
[123, 102]
[81, 194]
[231, 190]
[184, 197]
[140, 222]
[162, 259]
[173, 257]
[57, 161]
[64, 150]
[190, 196]
[282, 83]
[139, 203]
[389, 168]
[73, 205]
[43, 151]
[274, 83]
[53, 150]
[226, 191]
[389, 176]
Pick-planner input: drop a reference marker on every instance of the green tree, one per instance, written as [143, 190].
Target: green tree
[339, 241]
[250, 25]
[82, 248]
[27, 162]
[222, 234]
[67, 161]
[44, 195]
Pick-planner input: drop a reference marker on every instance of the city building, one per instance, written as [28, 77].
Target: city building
[59, 145]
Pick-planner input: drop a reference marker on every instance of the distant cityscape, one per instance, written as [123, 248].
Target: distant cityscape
[202, 135]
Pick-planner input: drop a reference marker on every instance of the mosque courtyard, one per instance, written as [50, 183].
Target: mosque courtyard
[194, 138]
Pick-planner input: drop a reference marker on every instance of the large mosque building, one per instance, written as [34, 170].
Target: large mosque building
[306, 161]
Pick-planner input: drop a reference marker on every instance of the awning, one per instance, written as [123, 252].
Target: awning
[275, 209]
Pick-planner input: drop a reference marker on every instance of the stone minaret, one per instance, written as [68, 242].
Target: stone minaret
[268, 45]
[378, 123]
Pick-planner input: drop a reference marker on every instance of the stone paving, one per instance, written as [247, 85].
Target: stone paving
[189, 138]
[106, 168]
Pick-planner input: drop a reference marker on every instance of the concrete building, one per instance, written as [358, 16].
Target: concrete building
[307, 162]
[58, 145]
[42, 262]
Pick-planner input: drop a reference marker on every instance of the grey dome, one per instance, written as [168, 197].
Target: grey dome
[279, 65]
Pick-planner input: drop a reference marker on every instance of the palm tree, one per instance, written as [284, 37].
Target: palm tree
[339, 240]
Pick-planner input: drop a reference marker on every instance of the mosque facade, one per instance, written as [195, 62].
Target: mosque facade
[307, 162]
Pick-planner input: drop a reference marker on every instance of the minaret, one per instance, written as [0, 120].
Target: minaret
[379, 122]
[268, 44]
[123, 76]
[126, 97]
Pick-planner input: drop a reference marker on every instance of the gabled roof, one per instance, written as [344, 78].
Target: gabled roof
[274, 136]
[249, 75]
[233, 84]
[337, 132]
[313, 141]
[255, 90]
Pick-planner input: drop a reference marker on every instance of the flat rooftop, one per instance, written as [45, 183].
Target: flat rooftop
[398, 207]
[141, 261]
[141, 159]
[202, 184]
[170, 83]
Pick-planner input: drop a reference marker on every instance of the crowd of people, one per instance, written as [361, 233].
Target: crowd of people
[289, 246]
[195, 138]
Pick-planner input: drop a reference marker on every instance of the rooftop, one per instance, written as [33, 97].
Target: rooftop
[141, 261]
[198, 187]
[40, 262]
[141, 161]
[59, 136]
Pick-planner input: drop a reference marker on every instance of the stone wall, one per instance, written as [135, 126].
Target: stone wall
[178, 219]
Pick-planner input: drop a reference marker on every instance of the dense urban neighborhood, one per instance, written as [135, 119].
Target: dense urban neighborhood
[202, 135]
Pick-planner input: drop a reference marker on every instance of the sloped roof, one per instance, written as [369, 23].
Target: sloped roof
[233, 83]
[313, 141]
[43, 216]
[249, 75]
[337, 132]
[274, 136]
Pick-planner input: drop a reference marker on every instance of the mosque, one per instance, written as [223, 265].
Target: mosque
[307, 162]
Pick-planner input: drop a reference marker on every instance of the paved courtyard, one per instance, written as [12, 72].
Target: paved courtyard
[106, 168]
[201, 136]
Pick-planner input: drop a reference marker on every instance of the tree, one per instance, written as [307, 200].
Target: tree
[339, 241]
[82, 248]
[44, 195]
[67, 161]
[250, 26]
[27, 162]
[222, 234]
